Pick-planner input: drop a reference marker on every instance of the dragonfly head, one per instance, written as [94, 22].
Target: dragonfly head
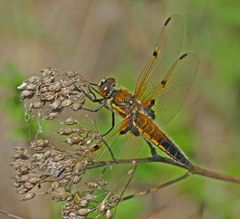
[106, 87]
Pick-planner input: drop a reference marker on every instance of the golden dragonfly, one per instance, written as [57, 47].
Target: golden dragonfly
[160, 92]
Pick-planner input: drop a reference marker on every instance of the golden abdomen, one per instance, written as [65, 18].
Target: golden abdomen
[152, 133]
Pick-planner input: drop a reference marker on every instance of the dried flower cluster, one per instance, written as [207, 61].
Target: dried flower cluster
[64, 168]
[48, 94]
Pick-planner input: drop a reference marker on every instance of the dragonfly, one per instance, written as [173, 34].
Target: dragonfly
[160, 92]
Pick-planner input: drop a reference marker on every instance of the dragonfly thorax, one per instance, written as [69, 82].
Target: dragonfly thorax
[124, 102]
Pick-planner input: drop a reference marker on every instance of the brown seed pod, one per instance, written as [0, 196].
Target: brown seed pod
[47, 96]
[28, 196]
[67, 103]
[55, 105]
[74, 140]
[84, 211]
[26, 94]
[70, 121]
[36, 105]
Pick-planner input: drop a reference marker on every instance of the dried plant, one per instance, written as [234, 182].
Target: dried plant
[68, 171]
[47, 95]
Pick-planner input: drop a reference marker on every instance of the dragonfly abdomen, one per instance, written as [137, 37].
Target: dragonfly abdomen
[151, 132]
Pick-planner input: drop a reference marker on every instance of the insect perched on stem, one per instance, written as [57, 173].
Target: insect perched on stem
[160, 92]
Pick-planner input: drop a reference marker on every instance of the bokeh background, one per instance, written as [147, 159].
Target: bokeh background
[110, 37]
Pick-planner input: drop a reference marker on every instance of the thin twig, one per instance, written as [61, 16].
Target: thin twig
[131, 174]
[10, 215]
[153, 189]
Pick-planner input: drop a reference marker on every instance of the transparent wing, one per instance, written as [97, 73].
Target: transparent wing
[122, 146]
[173, 88]
[165, 53]
[119, 146]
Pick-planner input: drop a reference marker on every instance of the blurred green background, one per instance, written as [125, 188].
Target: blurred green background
[109, 37]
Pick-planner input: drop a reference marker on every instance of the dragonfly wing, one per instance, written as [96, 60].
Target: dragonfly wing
[123, 144]
[117, 145]
[165, 53]
[173, 88]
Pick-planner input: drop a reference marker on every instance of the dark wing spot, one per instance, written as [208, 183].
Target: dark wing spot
[152, 102]
[183, 56]
[163, 82]
[122, 132]
[96, 147]
[167, 21]
[155, 53]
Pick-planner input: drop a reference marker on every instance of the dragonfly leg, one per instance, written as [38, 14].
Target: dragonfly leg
[93, 98]
[95, 110]
[113, 124]
[109, 150]
[152, 150]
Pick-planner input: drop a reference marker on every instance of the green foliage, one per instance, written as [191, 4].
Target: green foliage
[10, 78]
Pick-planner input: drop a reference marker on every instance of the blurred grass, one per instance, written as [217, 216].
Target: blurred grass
[33, 36]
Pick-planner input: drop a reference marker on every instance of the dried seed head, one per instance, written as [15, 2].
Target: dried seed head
[83, 203]
[48, 96]
[54, 185]
[67, 103]
[66, 131]
[33, 180]
[92, 185]
[59, 90]
[36, 105]
[76, 106]
[28, 196]
[47, 80]
[52, 115]
[25, 94]
[60, 194]
[71, 74]
[74, 140]
[33, 80]
[20, 153]
[84, 211]
[55, 105]
[39, 144]
[90, 197]
[76, 179]
[22, 85]
[109, 214]
[55, 87]
[70, 121]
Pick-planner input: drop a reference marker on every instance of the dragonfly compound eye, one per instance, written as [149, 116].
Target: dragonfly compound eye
[106, 86]
[111, 82]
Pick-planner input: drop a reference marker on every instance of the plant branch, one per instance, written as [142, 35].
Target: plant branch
[153, 189]
[195, 170]
[10, 215]
[215, 175]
